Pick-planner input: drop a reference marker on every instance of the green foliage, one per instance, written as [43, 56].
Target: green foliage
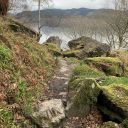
[24, 63]
[24, 98]
[115, 80]
[6, 118]
[5, 53]
[54, 49]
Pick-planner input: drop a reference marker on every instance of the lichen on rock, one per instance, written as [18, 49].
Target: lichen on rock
[114, 102]
[110, 66]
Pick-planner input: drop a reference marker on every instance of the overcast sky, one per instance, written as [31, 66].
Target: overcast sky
[64, 4]
[67, 4]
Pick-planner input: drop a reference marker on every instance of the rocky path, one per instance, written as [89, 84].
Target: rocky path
[58, 87]
[53, 106]
[51, 110]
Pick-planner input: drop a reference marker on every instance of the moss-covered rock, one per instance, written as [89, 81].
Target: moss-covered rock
[114, 80]
[109, 65]
[113, 102]
[71, 53]
[54, 49]
[110, 125]
[17, 26]
[54, 40]
[123, 56]
[85, 98]
[89, 47]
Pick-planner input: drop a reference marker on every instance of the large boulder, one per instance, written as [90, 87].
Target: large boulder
[84, 98]
[54, 40]
[49, 113]
[123, 56]
[89, 47]
[53, 45]
[113, 102]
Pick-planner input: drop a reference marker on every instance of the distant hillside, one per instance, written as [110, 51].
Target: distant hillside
[100, 13]
[33, 15]
[51, 17]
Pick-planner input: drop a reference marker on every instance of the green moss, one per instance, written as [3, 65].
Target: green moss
[72, 53]
[84, 70]
[115, 80]
[110, 65]
[23, 59]
[118, 95]
[105, 60]
[75, 83]
[54, 49]
[110, 125]
[6, 118]
[73, 60]
[5, 53]
[85, 98]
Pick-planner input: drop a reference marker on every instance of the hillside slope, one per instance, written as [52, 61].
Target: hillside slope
[27, 16]
[25, 69]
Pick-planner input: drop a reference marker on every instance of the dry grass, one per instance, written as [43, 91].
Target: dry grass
[25, 68]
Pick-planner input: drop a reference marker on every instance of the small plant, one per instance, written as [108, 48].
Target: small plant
[6, 119]
[24, 98]
[5, 54]
[6, 116]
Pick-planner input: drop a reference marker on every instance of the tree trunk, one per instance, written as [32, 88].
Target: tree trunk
[4, 5]
[39, 18]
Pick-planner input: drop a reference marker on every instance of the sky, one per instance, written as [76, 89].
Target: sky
[64, 4]
[68, 4]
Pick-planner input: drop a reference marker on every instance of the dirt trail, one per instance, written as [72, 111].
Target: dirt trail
[58, 87]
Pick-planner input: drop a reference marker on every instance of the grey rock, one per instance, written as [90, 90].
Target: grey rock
[49, 113]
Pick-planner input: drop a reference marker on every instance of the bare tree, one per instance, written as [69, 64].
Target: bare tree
[41, 3]
[16, 6]
[118, 25]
